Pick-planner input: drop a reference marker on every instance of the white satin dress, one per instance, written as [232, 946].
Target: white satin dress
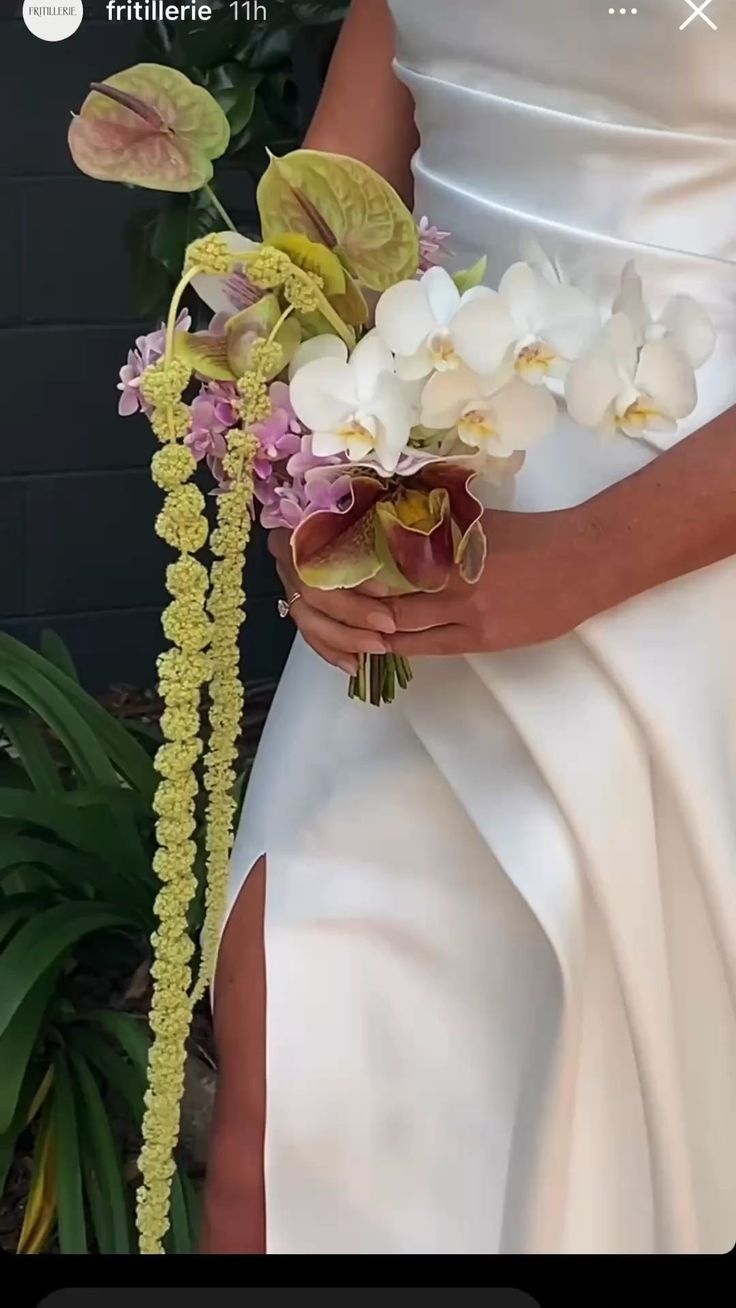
[501, 913]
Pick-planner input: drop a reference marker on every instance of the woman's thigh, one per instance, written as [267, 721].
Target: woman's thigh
[234, 1210]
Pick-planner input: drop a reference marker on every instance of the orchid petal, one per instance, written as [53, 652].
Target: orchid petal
[591, 387]
[442, 294]
[318, 347]
[334, 549]
[413, 367]
[415, 530]
[533, 254]
[467, 515]
[690, 327]
[206, 354]
[404, 318]
[369, 359]
[323, 394]
[482, 331]
[326, 444]
[522, 414]
[314, 258]
[569, 320]
[630, 301]
[255, 323]
[391, 406]
[219, 292]
[520, 288]
[446, 395]
[665, 374]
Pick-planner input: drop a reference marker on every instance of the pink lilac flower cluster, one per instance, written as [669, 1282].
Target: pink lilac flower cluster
[431, 242]
[288, 484]
[148, 349]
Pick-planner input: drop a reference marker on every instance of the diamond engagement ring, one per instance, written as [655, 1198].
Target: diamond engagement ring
[284, 606]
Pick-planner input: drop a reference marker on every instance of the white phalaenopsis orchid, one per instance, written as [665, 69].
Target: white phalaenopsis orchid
[423, 323]
[682, 321]
[639, 374]
[355, 406]
[492, 414]
[533, 327]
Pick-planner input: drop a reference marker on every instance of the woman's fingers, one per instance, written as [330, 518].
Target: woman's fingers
[435, 642]
[361, 611]
[420, 612]
[347, 662]
[317, 626]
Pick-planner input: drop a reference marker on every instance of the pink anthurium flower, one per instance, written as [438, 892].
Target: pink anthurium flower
[149, 126]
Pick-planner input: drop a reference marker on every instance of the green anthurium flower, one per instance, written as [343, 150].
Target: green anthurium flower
[226, 356]
[149, 126]
[344, 205]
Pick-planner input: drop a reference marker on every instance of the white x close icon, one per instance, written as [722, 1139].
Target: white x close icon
[698, 12]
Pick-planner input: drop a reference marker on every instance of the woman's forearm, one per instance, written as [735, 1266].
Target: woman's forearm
[364, 111]
[677, 515]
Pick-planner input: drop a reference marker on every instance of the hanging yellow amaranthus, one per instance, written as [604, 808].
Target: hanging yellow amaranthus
[202, 624]
[227, 597]
[183, 669]
[268, 269]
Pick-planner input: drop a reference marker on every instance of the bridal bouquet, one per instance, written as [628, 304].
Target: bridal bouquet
[371, 403]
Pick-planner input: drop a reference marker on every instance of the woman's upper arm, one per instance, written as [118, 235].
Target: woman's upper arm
[364, 110]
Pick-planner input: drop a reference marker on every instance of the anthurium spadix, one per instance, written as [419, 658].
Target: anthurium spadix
[149, 126]
[355, 406]
[342, 204]
[225, 356]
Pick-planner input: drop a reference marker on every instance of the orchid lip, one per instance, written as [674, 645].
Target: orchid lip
[442, 351]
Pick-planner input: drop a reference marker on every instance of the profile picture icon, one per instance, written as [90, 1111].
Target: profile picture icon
[52, 20]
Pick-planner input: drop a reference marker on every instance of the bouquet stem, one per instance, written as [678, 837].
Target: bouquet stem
[377, 678]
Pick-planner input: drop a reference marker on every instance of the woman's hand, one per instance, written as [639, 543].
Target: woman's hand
[541, 580]
[338, 624]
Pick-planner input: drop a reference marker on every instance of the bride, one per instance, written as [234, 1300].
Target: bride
[477, 988]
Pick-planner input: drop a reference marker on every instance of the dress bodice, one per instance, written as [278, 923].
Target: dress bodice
[606, 137]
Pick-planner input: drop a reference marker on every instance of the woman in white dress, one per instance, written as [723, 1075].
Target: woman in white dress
[496, 1007]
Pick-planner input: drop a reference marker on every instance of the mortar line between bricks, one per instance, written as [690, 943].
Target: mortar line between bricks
[132, 324]
[42, 616]
[60, 474]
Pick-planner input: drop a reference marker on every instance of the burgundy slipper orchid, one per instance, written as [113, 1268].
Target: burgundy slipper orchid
[412, 530]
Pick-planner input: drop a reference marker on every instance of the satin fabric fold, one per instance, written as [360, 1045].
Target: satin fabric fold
[501, 913]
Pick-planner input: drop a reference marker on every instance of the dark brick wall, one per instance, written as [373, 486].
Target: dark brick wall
[77, 548]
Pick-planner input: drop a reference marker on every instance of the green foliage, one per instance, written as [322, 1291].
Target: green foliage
[265, 76]
[76, 910]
